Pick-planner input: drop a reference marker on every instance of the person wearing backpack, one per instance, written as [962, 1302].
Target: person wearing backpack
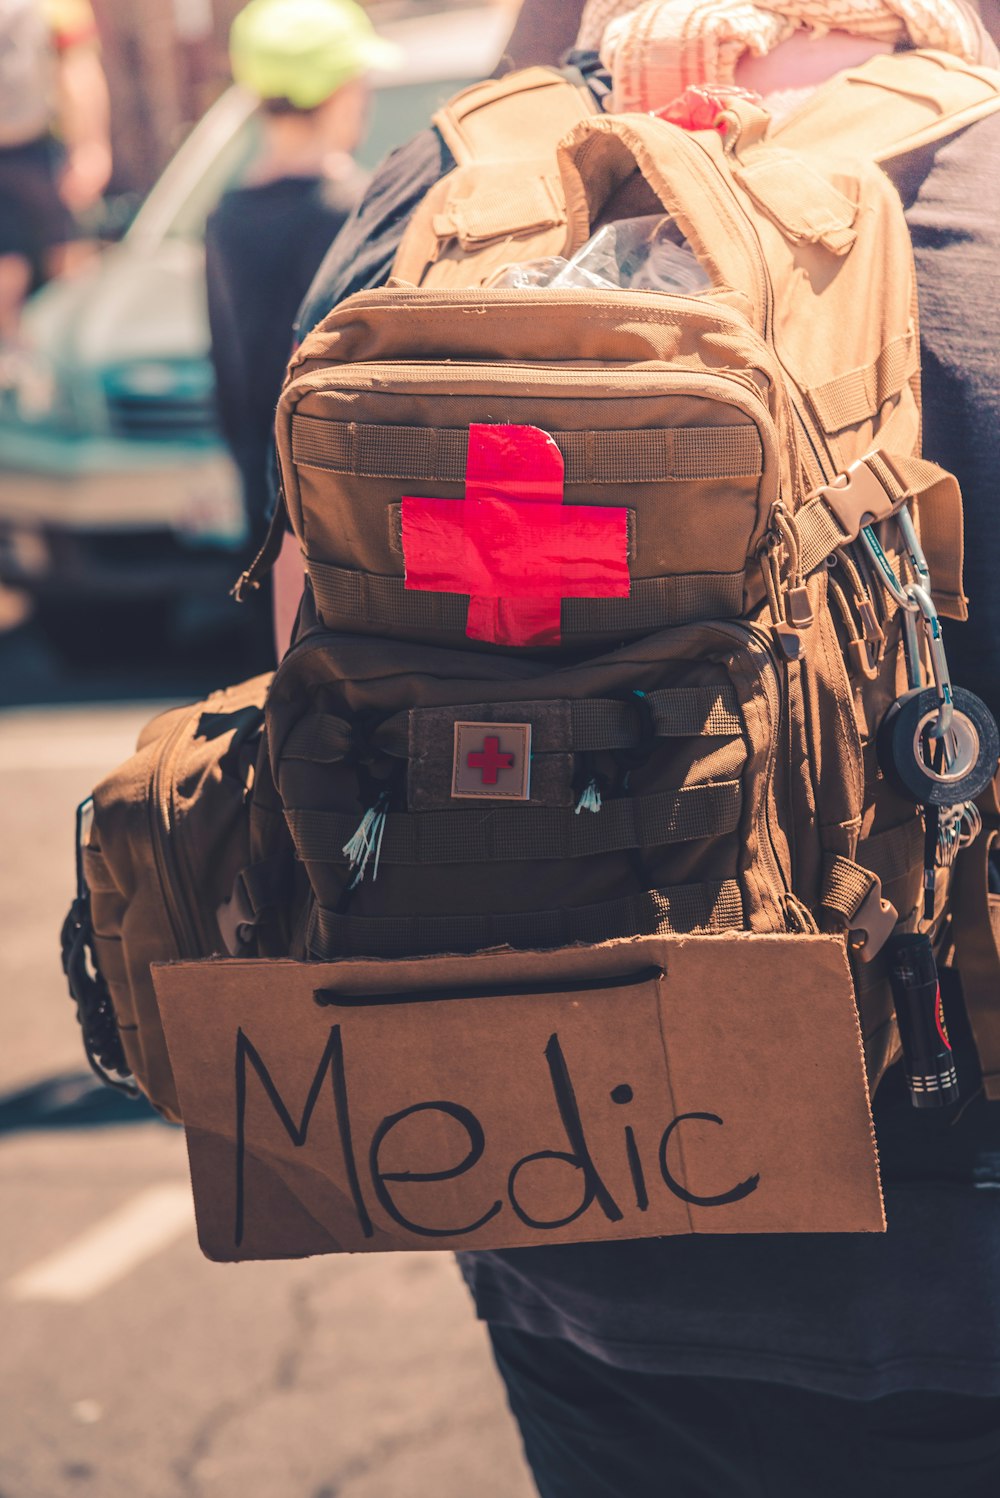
[716, 1366]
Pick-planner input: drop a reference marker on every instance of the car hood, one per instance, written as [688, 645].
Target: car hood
[127, 305]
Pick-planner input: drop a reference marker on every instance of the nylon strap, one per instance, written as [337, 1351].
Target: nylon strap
[846, 886]
[882, 482]
[655, 602]
[891, 105]
[681, 712]
[859, 395]
[701, 908]
[894, 853]
[854, 896]
[977, 956]
[439, 455]
[542, 833]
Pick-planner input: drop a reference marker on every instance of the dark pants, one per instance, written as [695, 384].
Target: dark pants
[593, 1431]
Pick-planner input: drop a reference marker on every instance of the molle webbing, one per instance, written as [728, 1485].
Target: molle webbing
[653, 603]
[700, 908]
[591, 725]
[894, 853]
[645, 456]
[859, 394]
[539, 833]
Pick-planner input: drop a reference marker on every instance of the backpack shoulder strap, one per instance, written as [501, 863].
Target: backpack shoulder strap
[503, 118]
[503, 201]
[892, 105]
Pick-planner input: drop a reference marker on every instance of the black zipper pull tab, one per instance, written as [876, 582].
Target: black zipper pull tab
[249, 581]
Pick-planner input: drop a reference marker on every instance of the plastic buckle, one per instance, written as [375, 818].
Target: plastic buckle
[872, 925]
[237, 920]
[856, 499]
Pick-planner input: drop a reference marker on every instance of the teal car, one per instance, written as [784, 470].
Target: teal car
[115, 487]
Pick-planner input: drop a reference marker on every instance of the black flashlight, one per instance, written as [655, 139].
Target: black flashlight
[927, 1056]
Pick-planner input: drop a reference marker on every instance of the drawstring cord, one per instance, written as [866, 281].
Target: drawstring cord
[366, 842]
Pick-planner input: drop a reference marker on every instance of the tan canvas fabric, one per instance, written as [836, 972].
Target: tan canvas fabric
[702, 744]
[169, 835]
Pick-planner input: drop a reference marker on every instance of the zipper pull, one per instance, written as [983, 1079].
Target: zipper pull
[249, 581]
[788, 601]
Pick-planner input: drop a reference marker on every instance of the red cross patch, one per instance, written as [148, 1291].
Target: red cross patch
[492, 761]
[511, 544]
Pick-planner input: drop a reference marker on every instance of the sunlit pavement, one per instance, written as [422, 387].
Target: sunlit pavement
[128, 1363]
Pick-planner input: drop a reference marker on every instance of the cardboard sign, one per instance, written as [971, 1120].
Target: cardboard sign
[663, 1085]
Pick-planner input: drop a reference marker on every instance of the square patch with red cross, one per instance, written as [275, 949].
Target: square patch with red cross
[492, 761]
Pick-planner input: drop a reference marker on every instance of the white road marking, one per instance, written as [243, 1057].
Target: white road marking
[142, 1227]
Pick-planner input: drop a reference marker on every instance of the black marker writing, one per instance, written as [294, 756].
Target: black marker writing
[735, 1195]
[578, 1156]
[477, 1143]
[332, 1060]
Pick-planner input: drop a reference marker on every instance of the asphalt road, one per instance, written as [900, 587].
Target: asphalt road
[128, 1363]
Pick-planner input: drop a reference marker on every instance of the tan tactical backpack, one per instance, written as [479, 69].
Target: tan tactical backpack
[603, 608]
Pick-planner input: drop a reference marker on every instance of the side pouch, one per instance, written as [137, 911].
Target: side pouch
[169, 832]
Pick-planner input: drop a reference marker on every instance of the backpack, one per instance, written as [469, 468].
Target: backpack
[592, 646]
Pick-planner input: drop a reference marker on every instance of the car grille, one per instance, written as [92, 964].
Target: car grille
[144, 419]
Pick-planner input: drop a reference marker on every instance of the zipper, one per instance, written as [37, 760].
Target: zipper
[383, 300]
[404, 373]
[189, 937]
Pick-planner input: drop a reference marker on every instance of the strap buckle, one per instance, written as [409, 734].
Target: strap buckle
[872, 924]
[856, 499]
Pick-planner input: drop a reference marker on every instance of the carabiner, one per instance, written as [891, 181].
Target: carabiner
[885, 569]
[914, 549]
[940, 673]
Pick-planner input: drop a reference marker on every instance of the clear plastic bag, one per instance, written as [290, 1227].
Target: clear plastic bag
[530, 273]
[634, 254]
[640, 254]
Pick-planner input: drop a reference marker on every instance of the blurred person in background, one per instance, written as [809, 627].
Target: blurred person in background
[306, 61]
[55, 148]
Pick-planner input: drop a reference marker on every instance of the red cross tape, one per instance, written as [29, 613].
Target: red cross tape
[511, 544]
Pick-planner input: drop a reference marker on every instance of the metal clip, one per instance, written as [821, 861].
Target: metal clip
[940, 674]
[885, 569]
[914, 550]
[916, 602]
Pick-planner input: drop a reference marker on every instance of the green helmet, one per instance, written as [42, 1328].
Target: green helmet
[304, 50]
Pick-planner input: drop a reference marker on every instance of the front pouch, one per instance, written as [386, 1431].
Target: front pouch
[660, 1086]
[448, 801]
[531, 469]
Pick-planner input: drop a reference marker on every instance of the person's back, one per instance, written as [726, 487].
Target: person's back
[713, 1365]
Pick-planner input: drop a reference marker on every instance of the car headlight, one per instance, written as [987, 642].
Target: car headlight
[161, 379]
